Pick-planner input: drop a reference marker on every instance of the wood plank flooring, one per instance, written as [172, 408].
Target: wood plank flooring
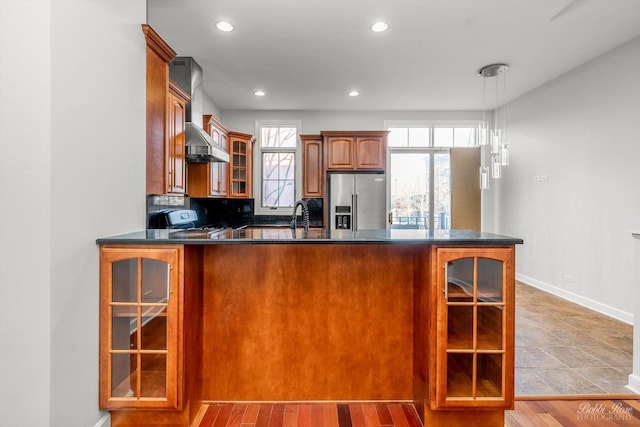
[534, 413]
[578, 413]
[309, 415]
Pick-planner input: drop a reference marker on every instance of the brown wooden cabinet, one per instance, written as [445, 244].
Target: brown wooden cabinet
[473, 328]
[170, 313]
[176, 138]
[140, 327]
[210, 179]
[150, 333]
[165, 164]
[240, 165]
[355, 150]
[312, 166]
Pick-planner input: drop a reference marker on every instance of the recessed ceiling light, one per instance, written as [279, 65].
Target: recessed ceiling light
[259, 93]
[379, 27]
[224, 26]
[354, 93]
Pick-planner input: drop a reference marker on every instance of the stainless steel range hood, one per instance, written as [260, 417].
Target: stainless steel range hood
[200, 147]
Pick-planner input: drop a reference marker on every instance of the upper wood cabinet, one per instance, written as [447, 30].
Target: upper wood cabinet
[312, 166]
[219, 177]
[210, 179]
[355, 150]
[176, 138]
[240, 165]
[165, 165]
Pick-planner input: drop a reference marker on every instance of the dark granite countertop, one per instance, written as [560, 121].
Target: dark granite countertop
[274, 235]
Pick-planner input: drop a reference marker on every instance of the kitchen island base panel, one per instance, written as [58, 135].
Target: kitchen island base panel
[328, 321]
[308, 322]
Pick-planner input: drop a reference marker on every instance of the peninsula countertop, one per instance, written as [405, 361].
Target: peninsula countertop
[283, 235]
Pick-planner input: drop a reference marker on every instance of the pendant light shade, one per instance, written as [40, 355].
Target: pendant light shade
[495, 137]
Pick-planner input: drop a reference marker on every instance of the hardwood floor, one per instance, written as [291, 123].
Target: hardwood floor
[309, 415]
[578, 413]
[553, 413]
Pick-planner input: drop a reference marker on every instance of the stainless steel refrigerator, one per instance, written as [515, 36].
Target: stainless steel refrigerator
[357, 201]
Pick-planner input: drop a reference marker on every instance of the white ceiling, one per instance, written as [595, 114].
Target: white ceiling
[308, 54]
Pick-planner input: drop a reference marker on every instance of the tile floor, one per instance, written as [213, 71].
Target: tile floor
[564, 348]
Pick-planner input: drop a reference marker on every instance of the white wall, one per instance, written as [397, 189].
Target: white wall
[25, 252]
[582, 131]
[72, 161]
[208, 105]
[315, 121]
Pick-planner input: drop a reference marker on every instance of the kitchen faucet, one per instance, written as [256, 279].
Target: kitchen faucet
[305, 215]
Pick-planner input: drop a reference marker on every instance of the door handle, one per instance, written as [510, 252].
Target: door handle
[446, 282]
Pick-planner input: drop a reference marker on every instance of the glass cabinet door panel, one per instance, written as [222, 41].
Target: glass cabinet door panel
[124, 275]
[460, 327]
[490, 280]
[154, 332]
[490, 327]
[460, 280]
[139, 345]
[123, 370]
[459, 375]
[489, 383]
[123, 330]
[155, 281]
[153, 375]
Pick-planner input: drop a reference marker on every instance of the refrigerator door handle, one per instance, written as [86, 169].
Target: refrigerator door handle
[354, 214]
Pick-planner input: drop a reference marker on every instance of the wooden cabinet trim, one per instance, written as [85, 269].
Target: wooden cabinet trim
[216, 122]
[177, 91]
[159, 46]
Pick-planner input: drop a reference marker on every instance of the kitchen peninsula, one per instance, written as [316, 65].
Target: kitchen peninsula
[274, 314]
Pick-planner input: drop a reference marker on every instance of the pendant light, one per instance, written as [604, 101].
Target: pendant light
[496, 138]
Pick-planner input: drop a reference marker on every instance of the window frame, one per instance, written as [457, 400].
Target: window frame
[258, 183]
[432, 125]
[430, 149]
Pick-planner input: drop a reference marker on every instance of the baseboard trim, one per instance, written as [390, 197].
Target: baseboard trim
[634, 383]
[620, 315]
[105, 421]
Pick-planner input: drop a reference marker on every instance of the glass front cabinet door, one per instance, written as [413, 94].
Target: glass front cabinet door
[475, 328]
[139, 342]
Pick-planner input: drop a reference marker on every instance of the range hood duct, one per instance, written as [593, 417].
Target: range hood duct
[200, 147]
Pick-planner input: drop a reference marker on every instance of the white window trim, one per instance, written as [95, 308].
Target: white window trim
[430, 149]
[432, 125]
[257, 169]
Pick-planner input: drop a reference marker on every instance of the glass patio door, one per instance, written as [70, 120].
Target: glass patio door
[420, 194]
